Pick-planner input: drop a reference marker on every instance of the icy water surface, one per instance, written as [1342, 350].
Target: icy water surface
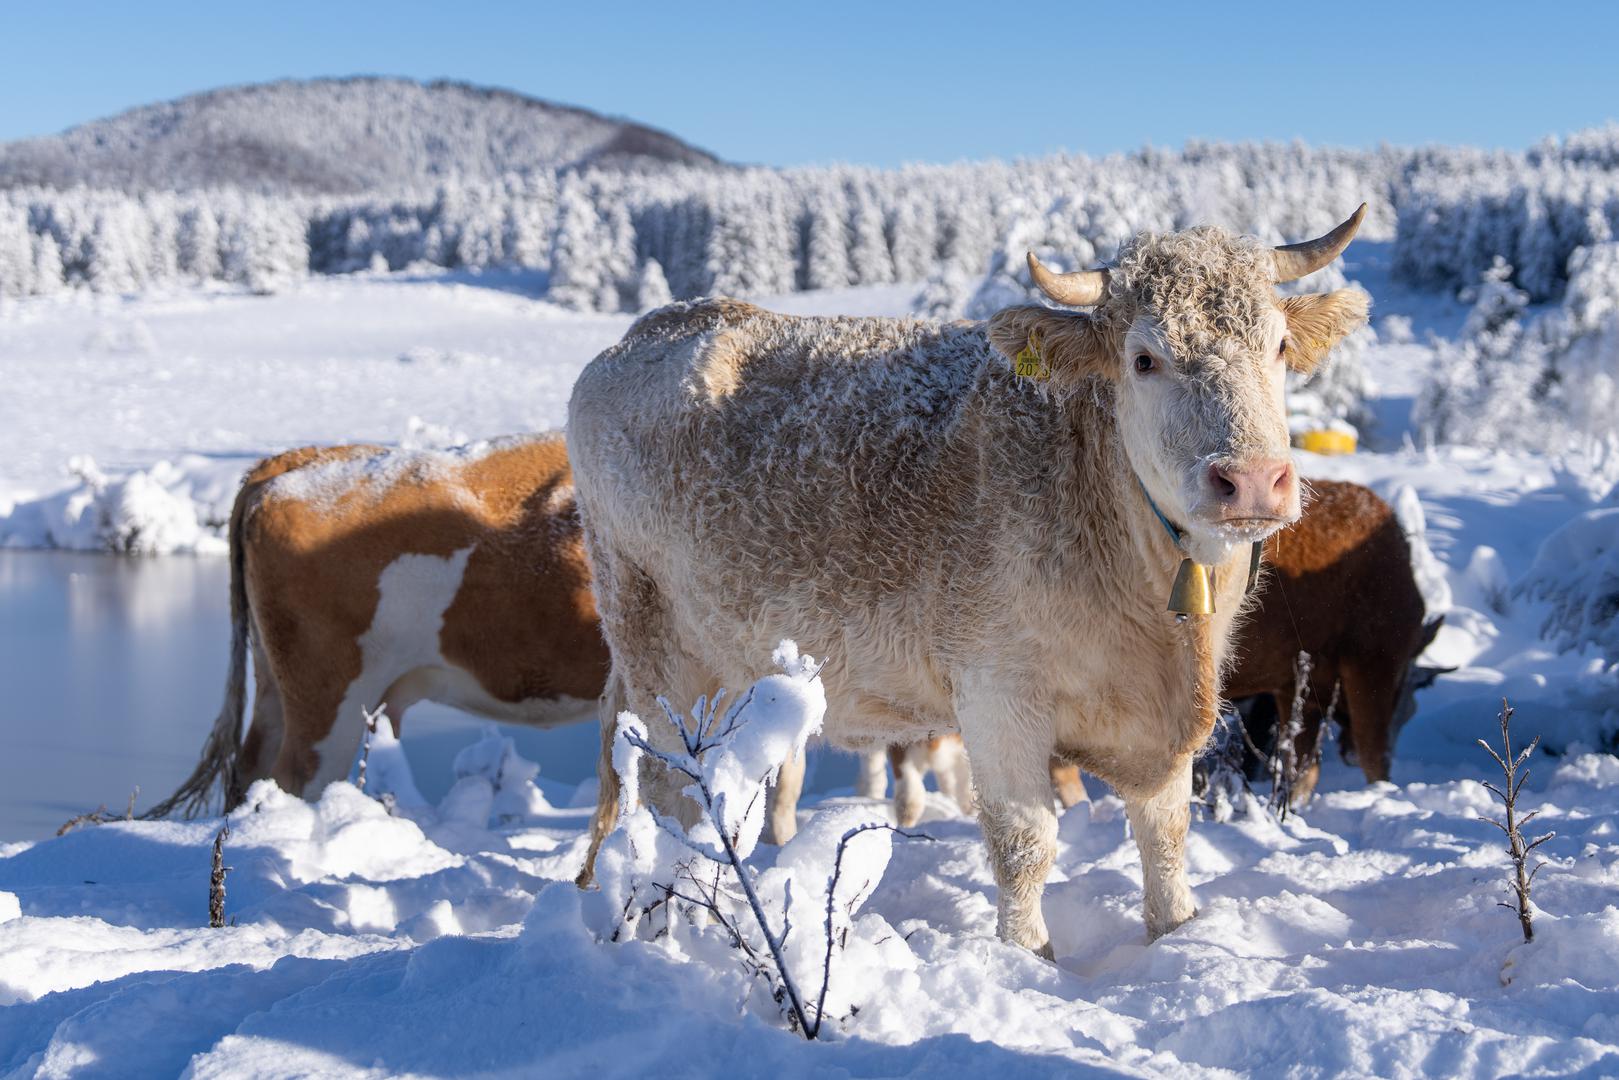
[111, 672]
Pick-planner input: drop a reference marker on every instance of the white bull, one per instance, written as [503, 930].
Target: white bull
[976, 525]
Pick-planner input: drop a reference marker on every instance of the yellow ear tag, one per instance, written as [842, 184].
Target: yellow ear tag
[1029, 363]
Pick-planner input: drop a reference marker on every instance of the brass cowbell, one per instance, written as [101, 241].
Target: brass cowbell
[1192, 593]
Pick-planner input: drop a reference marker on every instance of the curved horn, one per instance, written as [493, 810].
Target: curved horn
[1293, 261]
[1082, 288]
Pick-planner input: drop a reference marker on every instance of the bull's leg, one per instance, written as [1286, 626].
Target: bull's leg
[1370, 696]
[1010, 750]
[1159, 822]
[948, 759]
[873, 781]
[608, 706]
[1066, 783]
[782, 824]
[909, 792]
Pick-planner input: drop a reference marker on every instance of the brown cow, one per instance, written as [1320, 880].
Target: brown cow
[365, 576]
[1338, 586]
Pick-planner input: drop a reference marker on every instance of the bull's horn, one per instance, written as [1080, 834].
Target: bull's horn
[1082, 288]
[1293, 261]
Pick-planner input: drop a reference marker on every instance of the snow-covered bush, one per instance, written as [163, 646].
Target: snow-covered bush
[1462, 210]
[1546, 382]
[494, 783]
[692, 884]
[144, 512]
[1576, 574]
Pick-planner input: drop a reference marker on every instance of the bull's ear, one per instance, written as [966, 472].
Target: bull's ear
[1318, 321]
[1070, 345]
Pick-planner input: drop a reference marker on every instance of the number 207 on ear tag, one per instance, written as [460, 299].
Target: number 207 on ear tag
[1029, 364]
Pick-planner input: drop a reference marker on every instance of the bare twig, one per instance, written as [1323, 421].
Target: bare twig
[371, 718]
[1283, 765]
[1223, 776]
[831, 897]
[99, 816]
[216, 880]
[1522, 875]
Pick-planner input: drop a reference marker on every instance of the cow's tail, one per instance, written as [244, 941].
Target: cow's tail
[221, 756]
[612, 702]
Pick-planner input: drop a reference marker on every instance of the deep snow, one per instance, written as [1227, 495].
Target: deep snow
[1360, 938]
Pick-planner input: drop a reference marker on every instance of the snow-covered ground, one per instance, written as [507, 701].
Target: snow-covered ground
[1361, 938]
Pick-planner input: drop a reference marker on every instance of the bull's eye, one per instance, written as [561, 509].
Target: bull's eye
[1281, 350]
[1145, 363]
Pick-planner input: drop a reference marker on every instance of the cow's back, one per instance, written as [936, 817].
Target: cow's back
[323, 526]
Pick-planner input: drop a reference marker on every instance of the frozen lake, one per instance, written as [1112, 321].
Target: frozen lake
[111, 672]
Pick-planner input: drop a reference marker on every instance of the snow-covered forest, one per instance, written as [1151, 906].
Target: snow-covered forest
[1527, 228]
[607, 235]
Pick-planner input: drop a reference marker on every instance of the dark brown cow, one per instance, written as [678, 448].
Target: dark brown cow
[1339, 587]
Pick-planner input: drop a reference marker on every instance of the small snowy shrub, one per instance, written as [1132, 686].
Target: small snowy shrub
[1576, 574]
[144, 512]
[499, 776]
[697, 876]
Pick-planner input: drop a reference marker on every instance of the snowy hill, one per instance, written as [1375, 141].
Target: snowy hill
[323, 136]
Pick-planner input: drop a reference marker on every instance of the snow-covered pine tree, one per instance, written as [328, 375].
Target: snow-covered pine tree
[653, 290]
[265, 246]
[870, 261]
[621, 269]
[198, 241]
[47, 265]
[16, 252]
[117, 255]
[826, 241]
[913, 237]
[579, 255]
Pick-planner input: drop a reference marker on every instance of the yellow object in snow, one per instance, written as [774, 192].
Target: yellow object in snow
[1326, 441]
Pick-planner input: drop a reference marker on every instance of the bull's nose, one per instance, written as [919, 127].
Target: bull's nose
[1257, 490]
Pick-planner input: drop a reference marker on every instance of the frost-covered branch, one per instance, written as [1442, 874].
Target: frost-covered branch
[1523, 875]
[371, 719]
[831, 906]
[216, 880]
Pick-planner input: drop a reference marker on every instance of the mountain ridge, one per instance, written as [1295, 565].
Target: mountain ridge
[337, 136]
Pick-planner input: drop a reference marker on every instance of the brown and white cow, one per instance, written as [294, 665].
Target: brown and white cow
[363, 576]
[968, 548]
[1339, 586]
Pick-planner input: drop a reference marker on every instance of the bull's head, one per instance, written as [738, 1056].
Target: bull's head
[1191, 333]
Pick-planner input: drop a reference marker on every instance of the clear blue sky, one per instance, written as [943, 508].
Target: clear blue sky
[874, 82]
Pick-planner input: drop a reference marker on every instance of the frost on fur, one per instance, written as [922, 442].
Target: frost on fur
[692, 884]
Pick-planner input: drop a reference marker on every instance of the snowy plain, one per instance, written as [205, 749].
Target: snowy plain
[1361, 937]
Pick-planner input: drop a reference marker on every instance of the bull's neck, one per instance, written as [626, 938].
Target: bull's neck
[1155, 542]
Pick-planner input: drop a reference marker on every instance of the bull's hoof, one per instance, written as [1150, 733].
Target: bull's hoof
[1044, 952]
[1157, 930]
